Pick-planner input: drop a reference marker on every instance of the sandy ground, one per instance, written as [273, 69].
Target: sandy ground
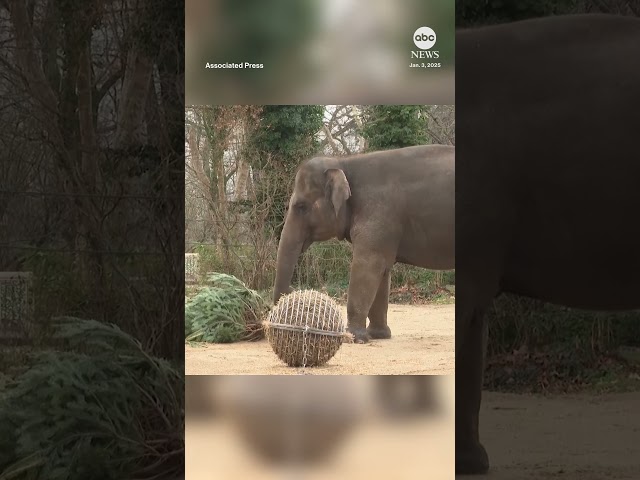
[419, 447]
[422, 343]
[573, 437]
[584, 437]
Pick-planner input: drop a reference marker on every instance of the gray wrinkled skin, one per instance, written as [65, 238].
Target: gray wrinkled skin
[393, 206]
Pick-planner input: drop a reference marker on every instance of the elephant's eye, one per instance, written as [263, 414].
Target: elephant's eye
[300, 207]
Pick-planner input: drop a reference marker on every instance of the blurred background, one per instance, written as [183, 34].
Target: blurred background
[322, 427]
[316, 52]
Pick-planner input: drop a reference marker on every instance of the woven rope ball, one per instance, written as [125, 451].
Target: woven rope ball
[305, 328]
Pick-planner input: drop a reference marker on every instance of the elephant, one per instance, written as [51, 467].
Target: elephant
[547, 197]
[392, 206]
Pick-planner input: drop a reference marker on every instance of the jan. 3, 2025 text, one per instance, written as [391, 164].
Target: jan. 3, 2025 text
[425, 65]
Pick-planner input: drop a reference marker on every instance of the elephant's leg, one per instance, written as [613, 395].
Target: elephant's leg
[378, 327]
[471, 341]
[367, 270]
[481, 258]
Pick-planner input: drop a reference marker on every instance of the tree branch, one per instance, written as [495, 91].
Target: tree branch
[27, 60]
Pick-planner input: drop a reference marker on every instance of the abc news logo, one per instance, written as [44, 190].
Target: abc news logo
[424, 38]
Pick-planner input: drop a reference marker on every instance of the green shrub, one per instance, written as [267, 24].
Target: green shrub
[104, 409]
[325, 266]
[208, 259]
[223, 312]
[427, 280]
[516, 321]
[325, 263]
[56, 285]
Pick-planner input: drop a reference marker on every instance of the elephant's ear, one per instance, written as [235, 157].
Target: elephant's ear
[337, 188]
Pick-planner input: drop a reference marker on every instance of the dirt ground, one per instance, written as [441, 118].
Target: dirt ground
[585, 437]
[375, 447]
[422, 343]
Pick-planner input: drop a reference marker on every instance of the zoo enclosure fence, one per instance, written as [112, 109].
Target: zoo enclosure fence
[325, 264]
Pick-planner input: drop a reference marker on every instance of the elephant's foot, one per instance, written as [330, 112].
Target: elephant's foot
[472, 460]
[379, 332]
[360, 335]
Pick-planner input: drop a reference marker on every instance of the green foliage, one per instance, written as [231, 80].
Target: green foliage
[286, 136]
[516, 321]
[221, 312]
[265, 31]
[536, 346]
[325, 266]
[324, 263]
[274, 33]
[257, 270]
[56, 286]
[427, 279]
[105, 409]
[394, 126]
[411, 284]
[208, 259]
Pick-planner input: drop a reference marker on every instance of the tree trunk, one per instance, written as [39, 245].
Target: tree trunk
[362, 142]
[221, 207]
[91, 266]
[132, 109]
[152, 115]
[242, 179]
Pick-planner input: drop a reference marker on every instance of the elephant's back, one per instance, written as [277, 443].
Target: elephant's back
[549, 162]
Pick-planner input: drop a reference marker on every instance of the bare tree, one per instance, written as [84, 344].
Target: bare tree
[441, 121]
[89, 103]
[340, 130]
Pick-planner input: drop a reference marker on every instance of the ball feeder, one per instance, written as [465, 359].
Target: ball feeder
[305, 328]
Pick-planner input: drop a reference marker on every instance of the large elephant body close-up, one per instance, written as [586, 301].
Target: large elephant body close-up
[393, 206]
[549, 180]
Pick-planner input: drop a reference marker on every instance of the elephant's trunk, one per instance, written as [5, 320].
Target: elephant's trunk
[289, 250]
